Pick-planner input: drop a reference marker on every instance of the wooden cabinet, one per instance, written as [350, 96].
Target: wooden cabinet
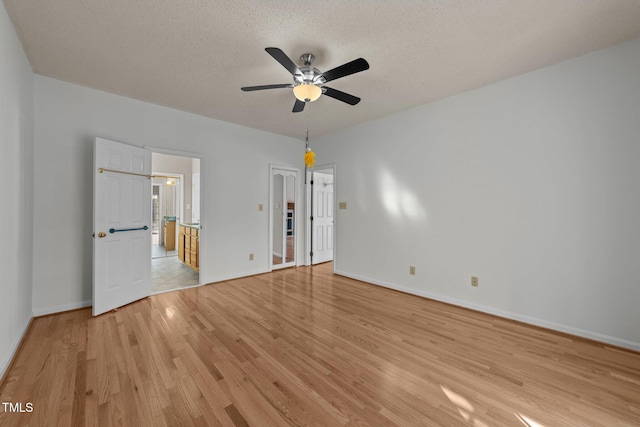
[188, 246]
[181, 246]
[170, 235]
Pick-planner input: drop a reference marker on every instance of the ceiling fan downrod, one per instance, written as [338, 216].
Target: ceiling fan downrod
[307, 59]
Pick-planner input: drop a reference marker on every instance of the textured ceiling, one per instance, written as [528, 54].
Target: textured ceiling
[194, 55]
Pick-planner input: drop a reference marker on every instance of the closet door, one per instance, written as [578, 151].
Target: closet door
[322, 217]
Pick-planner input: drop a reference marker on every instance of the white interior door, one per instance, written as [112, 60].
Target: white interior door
[122, 225]
[322, 217]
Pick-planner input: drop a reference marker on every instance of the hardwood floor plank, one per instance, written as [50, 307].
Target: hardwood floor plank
[302, 346]
[236, 417]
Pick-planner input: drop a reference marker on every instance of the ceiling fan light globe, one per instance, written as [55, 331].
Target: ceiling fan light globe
[307, 92]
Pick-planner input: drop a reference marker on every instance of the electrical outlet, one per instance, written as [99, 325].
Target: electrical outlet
[250, 257]
[474, 281]
[342, 205]
[412, 270]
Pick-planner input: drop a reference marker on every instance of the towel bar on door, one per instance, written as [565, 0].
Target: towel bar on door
[113, 230]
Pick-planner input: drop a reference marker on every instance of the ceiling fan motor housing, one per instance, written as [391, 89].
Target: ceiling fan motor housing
[309, 75]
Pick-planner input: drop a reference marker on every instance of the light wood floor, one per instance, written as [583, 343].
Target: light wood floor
[304, 347]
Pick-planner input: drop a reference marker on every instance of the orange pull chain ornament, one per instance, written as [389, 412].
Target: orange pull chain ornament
[309, 158]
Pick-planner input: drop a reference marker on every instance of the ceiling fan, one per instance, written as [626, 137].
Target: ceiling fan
[308, 81]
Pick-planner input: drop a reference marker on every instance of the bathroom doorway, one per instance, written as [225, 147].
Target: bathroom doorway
[175, 207]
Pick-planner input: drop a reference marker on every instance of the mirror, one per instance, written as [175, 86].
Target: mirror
[165, 216]
[283, 216]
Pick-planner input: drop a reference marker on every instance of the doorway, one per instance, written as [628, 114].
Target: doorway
[175, 186]
[283, 202]
[320, 224]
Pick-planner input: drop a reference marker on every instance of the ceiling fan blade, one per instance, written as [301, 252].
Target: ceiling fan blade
[283, 59]
[341, 96]
[251, 88]
[347, 69]
[298, 106]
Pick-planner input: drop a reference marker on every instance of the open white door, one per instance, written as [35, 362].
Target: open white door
[322, 217]
[121, 225]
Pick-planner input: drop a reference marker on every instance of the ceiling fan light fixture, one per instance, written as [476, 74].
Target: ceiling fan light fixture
[307, 92]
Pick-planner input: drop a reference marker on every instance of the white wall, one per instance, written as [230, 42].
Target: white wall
[16, 177]
[532, 184]
[235, 170]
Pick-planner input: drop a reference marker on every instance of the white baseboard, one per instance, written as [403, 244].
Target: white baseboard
[60, 308]
[596, 336]
[12, 353]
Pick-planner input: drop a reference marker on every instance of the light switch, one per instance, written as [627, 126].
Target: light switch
[342, 205]
[260, 207]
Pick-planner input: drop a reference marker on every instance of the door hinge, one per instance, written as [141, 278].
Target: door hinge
[311, 254]
[311, 218]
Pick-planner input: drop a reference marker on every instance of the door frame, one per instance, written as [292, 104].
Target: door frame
[202, 237]
[307, 222]
[296, 227]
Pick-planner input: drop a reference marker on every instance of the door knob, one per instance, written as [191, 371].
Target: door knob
[102, 234]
